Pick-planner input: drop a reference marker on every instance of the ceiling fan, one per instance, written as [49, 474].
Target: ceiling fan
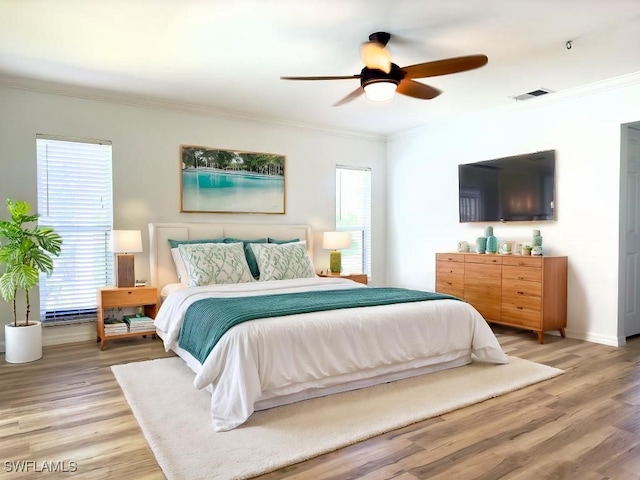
[380, 79]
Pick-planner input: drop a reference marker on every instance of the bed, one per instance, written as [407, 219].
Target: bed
[281, 355]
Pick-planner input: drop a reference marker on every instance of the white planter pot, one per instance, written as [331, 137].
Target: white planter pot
[23, 344]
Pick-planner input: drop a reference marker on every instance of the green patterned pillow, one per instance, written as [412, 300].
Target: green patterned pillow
[283, 261]
[214, 263]
[248, 253]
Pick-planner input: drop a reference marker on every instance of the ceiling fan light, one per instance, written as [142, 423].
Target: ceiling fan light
[380, 91]
[376, 57]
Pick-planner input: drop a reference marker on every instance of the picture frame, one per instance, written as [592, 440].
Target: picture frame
[214, 180]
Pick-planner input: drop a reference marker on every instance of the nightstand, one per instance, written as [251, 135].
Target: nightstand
[356, 277]
[114, 297]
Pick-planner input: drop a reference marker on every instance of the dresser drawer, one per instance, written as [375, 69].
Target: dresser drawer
[521, 316]
[484, 259]
[522, 303]
[450, 257]
[522, 288]
[450, 268]
[444, 287]
[448, 280]
[128, 297]
[522, 261]
[484, 271]
[528, 274]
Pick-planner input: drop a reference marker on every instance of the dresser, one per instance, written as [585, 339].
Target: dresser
[518, 291]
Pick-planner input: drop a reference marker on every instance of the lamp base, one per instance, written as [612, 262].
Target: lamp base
[125, 273]
[335, 261]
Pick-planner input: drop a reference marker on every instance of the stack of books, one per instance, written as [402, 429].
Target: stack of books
[139, 324]
[114, 326]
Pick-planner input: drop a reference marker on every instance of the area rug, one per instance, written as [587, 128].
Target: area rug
[174, 415]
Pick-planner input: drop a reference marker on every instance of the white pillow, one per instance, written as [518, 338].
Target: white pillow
[215, 263]
[181, 268]
[283, 261]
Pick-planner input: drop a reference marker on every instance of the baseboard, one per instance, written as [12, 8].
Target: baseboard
[594, 338]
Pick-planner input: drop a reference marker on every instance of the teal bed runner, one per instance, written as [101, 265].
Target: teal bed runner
[206, 321]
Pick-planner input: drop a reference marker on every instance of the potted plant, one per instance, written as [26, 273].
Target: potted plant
[25, 253]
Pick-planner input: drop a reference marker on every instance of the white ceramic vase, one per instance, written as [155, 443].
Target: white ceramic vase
[23, 344]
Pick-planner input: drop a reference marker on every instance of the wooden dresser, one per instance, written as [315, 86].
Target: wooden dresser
[519, 291]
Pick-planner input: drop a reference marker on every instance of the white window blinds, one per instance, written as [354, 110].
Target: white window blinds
[75, 198]
[353, 214]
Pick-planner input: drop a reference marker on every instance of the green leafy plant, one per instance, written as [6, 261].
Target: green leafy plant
[25, 253]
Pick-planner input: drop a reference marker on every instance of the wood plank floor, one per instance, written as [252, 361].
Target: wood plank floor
[68, 410]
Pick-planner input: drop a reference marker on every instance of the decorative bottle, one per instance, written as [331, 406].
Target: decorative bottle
[481, 244]
[536, 243]
[536, 240]
[492, 241]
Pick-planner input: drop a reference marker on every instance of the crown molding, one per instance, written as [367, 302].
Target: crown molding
[616, 83]
[102, 95]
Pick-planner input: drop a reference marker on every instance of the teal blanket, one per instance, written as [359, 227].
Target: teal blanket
[206, 321]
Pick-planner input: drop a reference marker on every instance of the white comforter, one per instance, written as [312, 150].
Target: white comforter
[270, 358]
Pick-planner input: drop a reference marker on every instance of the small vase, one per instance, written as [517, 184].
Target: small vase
[488, 232]
[481, 244]
[536, 240]
[492, 244]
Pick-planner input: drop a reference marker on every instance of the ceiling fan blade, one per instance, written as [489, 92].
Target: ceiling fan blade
[415, 89]
[352, 96]
[445, 67]
[343, 77]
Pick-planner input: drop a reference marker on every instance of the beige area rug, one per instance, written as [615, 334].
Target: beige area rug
[174, 415]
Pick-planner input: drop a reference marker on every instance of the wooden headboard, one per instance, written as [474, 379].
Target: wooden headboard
[161, 267]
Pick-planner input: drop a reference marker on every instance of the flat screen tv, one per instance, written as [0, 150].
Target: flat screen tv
[511, 189]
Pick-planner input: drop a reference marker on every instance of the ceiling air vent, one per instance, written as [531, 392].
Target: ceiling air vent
[534, 93]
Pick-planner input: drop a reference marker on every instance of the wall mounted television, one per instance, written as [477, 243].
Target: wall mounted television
[520, 188]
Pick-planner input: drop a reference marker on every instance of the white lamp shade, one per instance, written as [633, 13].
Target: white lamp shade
[380, 91]
[336, 240]
[126, 241]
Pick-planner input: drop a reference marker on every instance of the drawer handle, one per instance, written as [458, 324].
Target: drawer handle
[450, 271]
[494, 260]
[520, 293]
[450, 259]
[449, 283]
[520, 278]
[520, 308]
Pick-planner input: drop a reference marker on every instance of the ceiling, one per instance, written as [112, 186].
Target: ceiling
[228, 55]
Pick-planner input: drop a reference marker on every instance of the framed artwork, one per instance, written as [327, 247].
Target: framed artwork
[230, 181]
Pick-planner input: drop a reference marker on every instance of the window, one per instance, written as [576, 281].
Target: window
[74, 197]
[353, 214]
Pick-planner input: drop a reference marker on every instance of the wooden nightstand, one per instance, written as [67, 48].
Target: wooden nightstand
[114, 297]
[356, 277]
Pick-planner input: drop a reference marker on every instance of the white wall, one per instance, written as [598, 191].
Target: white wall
[146, 166]
[584, 129]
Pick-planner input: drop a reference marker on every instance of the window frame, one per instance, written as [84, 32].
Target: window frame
[85, 262]
[364, 227]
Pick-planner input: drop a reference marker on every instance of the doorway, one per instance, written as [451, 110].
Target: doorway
[629, 237]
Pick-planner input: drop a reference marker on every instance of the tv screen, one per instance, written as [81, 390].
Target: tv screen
[510, 189]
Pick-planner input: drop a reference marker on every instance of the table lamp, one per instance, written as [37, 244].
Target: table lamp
[336, 241]
[123, 244]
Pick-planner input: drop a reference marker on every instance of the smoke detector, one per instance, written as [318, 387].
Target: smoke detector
[532, 94]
